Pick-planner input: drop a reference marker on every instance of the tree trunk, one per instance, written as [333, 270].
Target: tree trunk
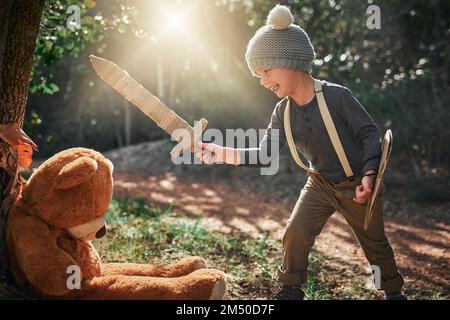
[19, 25]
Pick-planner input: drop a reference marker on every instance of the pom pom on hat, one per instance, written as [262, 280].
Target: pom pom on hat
[280, 17]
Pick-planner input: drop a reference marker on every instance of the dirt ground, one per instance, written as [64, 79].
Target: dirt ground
[421, 245]
[243, 200]
[240, 200]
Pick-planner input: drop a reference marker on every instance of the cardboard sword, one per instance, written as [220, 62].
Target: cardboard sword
[164, 117]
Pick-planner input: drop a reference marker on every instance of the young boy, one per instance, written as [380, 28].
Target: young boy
[281, 54]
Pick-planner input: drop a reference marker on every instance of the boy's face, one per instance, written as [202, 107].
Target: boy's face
[280, 81]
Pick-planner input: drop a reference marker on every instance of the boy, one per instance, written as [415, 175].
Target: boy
[281, 54]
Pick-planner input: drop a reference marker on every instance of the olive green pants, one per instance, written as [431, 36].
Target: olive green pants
[317, 202]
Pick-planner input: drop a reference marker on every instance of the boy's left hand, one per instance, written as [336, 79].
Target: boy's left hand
[364, 190]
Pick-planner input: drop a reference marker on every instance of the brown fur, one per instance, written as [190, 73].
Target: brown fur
[72, 188]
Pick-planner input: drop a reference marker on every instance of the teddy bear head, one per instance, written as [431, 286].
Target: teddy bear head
[72, 190]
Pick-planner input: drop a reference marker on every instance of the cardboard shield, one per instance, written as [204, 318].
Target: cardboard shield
[384, 158]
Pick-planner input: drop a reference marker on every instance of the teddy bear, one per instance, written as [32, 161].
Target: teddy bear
[50, 228]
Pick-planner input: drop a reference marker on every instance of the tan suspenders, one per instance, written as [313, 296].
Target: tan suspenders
[331, 129]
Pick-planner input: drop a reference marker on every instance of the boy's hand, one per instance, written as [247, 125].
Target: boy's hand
[364, 190]
[210, 153]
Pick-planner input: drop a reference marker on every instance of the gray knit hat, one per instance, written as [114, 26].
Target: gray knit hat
[280, 44]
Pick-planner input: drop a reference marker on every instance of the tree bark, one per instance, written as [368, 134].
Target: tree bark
[19, 26]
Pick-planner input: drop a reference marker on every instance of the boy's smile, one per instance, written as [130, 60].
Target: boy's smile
[275, 87]
[283, 82]
[270, 78]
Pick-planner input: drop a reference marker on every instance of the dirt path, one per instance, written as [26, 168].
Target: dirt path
[421, 247]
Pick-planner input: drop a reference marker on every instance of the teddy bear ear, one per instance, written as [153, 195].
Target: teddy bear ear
[75, 173]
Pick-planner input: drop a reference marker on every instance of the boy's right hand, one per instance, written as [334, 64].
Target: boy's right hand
[210, 153]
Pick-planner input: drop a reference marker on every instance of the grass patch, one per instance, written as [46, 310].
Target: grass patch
[144, 234]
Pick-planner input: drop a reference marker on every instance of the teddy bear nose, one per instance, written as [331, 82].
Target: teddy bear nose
[100, 233]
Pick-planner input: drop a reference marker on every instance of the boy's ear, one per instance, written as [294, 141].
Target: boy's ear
[75, 173]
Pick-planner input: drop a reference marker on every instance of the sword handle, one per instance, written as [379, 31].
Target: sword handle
[196, 134]
[212, 154]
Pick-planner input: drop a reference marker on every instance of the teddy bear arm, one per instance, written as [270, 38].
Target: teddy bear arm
[199, 285]
[43, 263]
[178, 269]
[120, 287]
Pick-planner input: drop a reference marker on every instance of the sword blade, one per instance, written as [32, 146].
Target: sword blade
[134, 92]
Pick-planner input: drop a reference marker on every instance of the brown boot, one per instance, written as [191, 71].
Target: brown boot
[394, 295]
[285, 292]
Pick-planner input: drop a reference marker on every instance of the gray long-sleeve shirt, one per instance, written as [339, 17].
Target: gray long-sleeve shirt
[359, 135]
